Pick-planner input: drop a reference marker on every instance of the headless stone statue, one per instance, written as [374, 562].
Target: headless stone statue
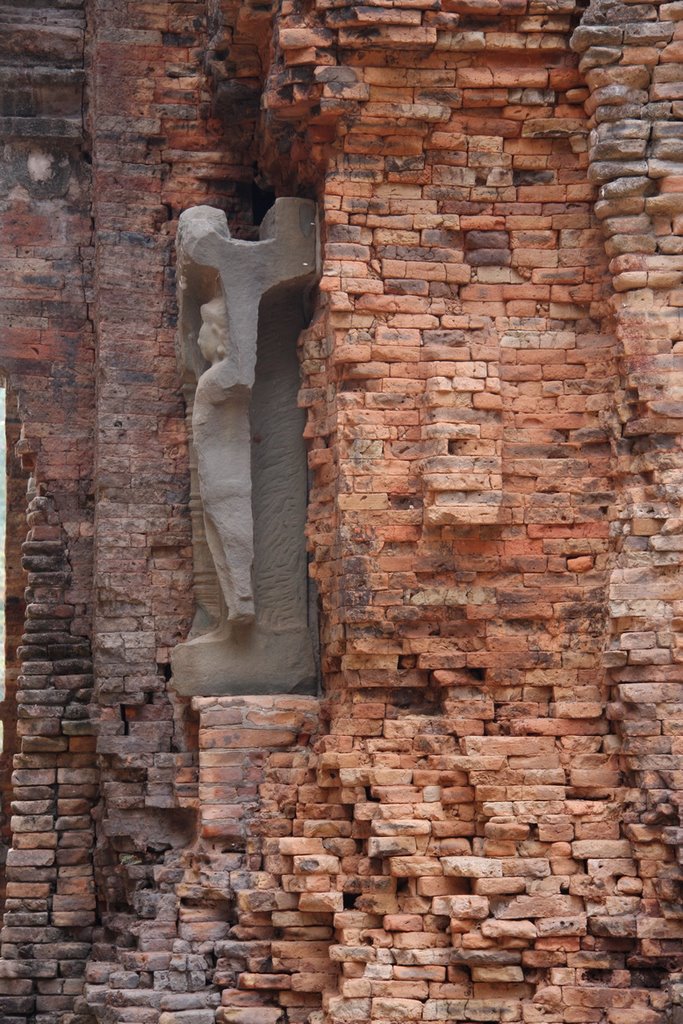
[241, 312]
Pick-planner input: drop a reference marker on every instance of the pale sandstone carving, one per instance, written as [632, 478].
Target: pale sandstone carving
[221, 436]
[241, 311]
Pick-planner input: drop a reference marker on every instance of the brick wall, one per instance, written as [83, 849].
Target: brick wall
[46, 358]
[478, 820]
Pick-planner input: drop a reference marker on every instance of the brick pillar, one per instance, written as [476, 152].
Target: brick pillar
[637, 160]
[46, 359]
[14, 610]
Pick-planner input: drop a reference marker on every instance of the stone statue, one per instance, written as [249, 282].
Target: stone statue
[241, 311]
[221, 436]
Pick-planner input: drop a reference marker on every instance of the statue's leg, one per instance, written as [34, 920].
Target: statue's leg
[222, 438]
[231, 550]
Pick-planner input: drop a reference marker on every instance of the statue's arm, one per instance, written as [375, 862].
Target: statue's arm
[219, 383]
